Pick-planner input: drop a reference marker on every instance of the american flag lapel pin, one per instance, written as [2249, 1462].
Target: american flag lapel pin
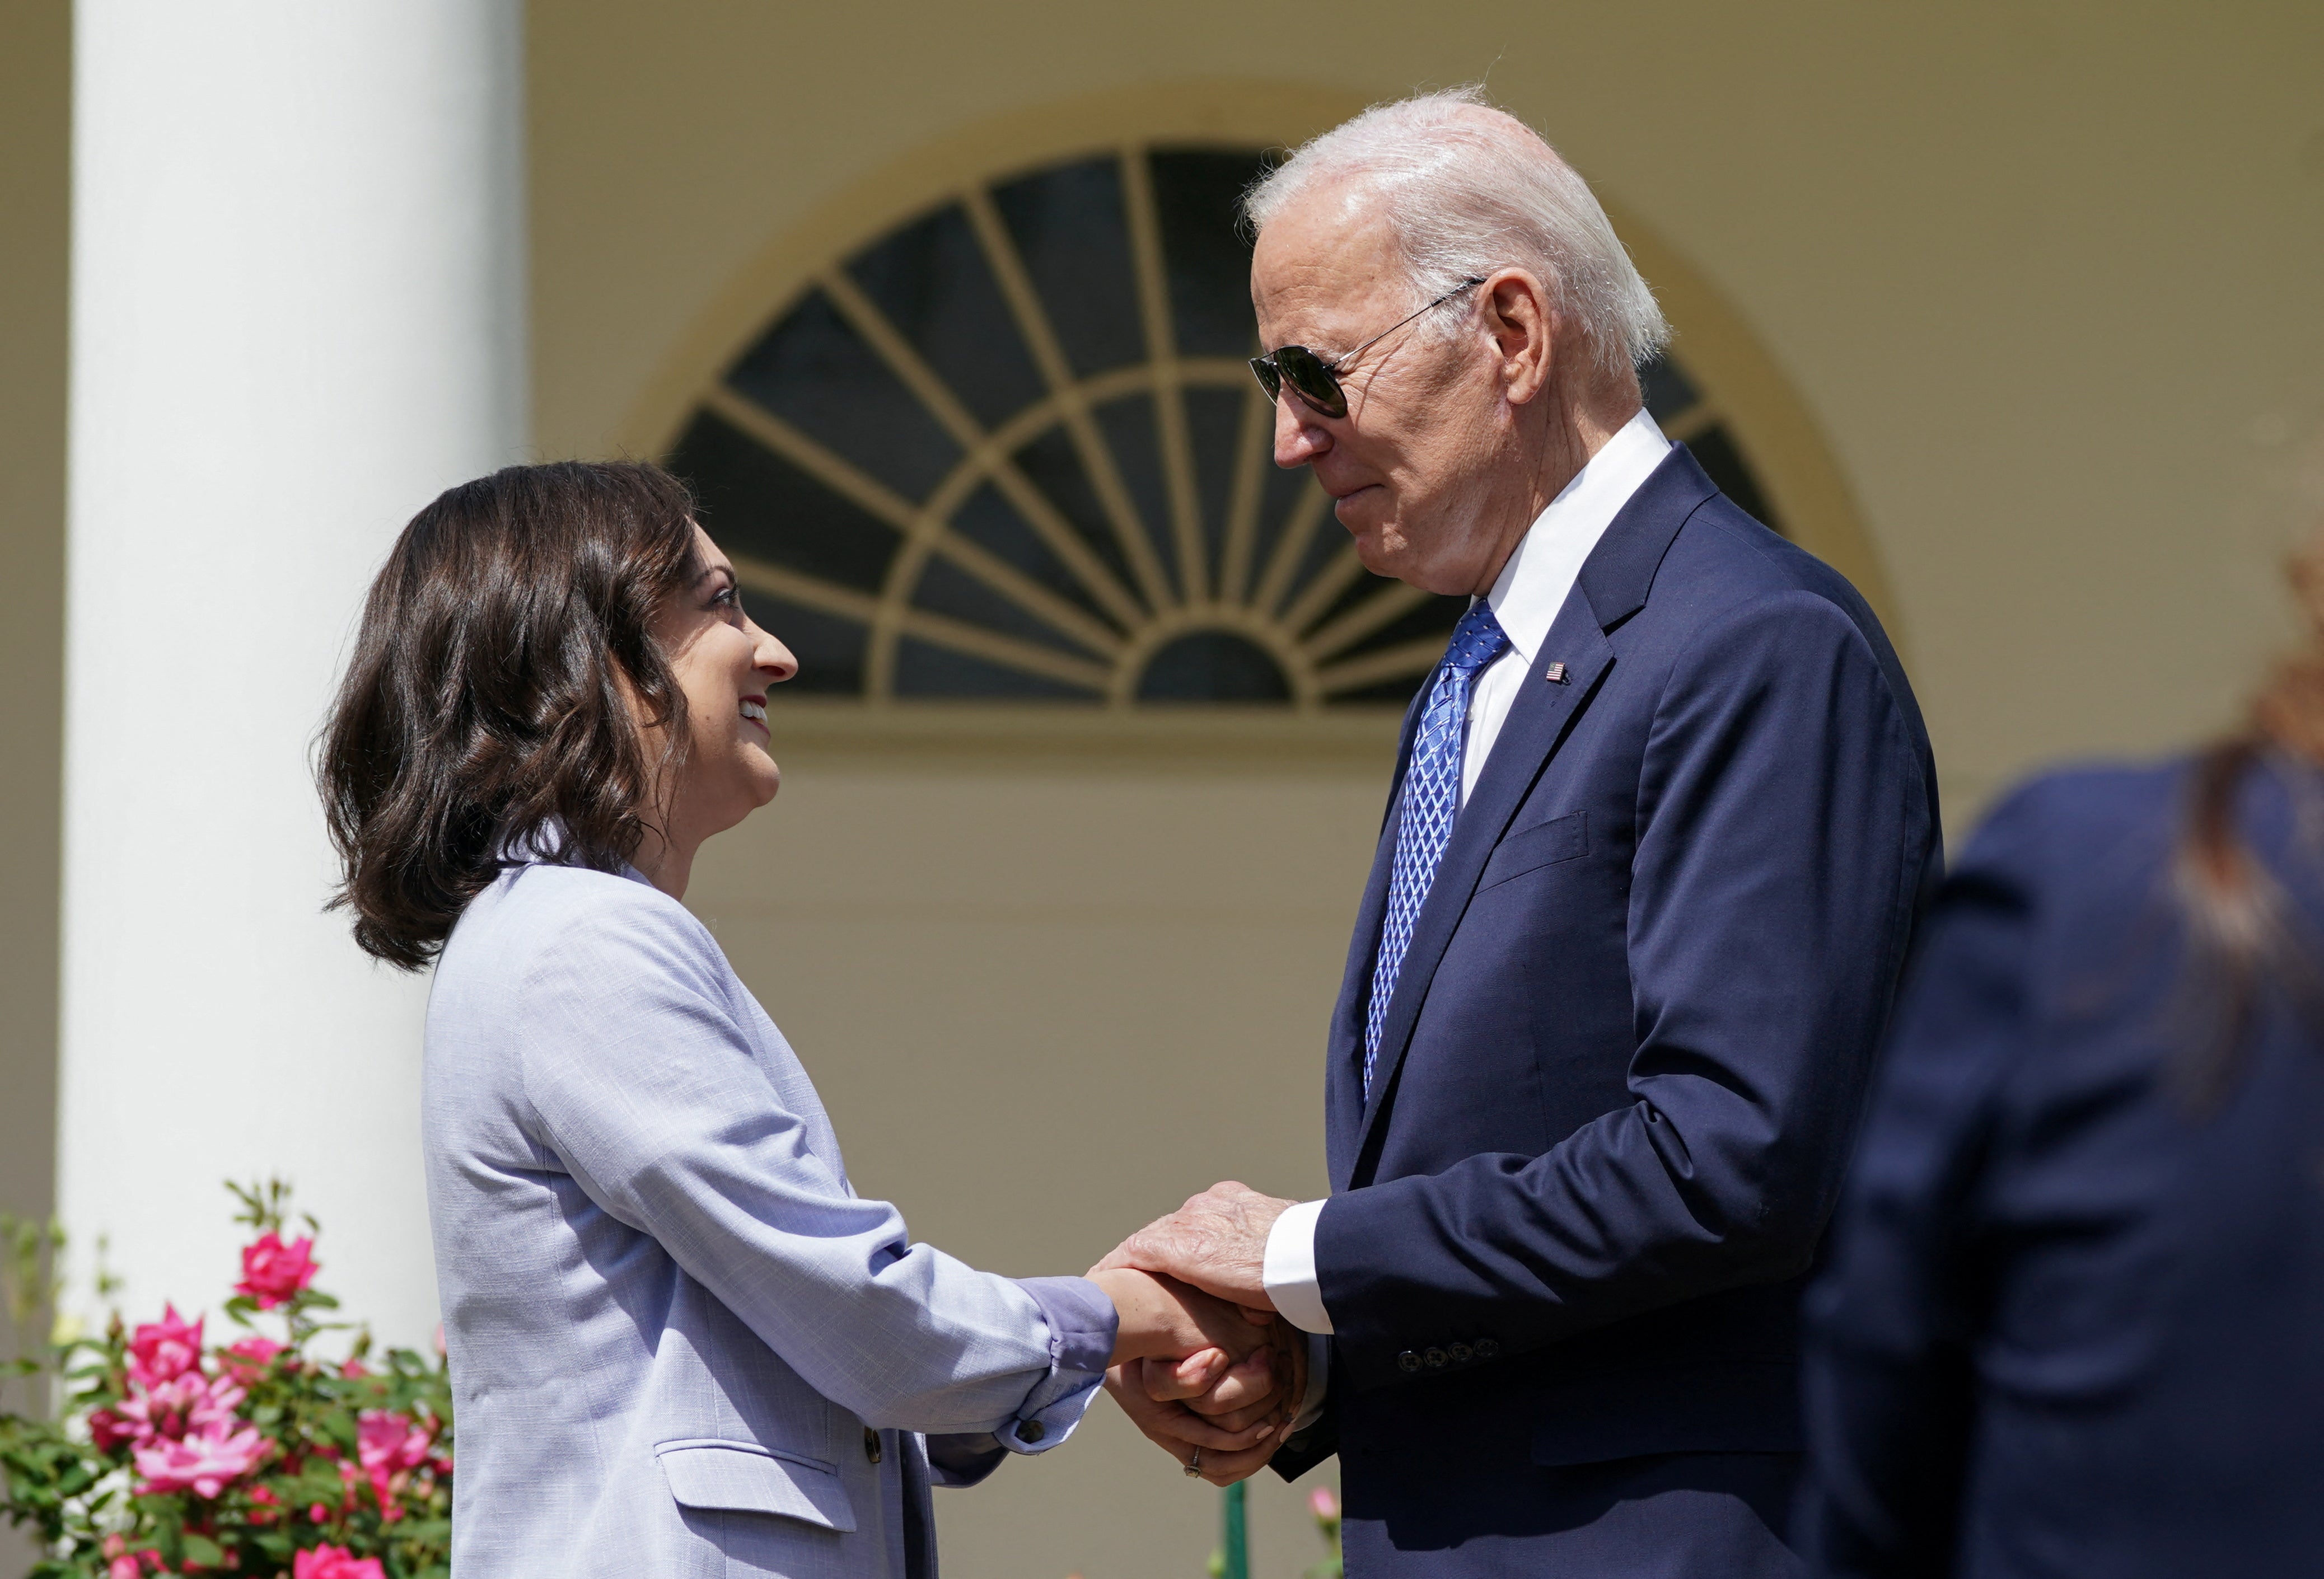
[1555, 673]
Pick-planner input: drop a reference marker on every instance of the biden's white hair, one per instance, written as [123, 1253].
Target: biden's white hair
[1467, 188]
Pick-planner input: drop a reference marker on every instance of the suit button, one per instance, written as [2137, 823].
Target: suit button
[1460, 1354]
[1407, 1361]
[1487, 1348]
[1031, 1430]
[1434, 1359]
[872, 1445]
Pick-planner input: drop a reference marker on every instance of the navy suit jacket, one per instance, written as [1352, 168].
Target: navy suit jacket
[1623, 1065]
[2073, 1323]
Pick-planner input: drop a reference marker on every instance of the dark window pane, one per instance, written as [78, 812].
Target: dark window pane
[758, 505]
[1667, 391]
[1324, 545]
[933, 282]
[988, 522]
[1195, 194]
[829, 648]
[1398, 693]
[1214, 433]
[1278, 500]
[1212, 665]
[1069, 226]
[926, 669]
[1715, 451]
[812, 371]
[1433, 619]
[1053, 466]
[946, 589]
[1128, 425]
[1359, 591]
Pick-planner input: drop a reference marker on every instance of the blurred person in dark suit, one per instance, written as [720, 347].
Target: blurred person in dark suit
[2074, 1323]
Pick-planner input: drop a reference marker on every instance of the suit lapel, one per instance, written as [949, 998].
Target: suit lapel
[1612, 587]
[1343, 1077]
[1537, 721]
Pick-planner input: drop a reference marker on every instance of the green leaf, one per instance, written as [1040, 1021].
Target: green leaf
[339, 1425]
[202, 1549]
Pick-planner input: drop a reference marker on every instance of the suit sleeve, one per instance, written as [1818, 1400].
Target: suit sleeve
[1783, 824]
[643, 1087]
[1890, 1325]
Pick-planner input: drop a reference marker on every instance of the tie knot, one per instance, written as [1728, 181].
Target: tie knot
[1477, 640]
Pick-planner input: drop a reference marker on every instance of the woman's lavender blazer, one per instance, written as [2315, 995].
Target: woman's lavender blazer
[680, 1344]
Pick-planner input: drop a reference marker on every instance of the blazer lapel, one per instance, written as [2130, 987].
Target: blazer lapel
[1612, 587]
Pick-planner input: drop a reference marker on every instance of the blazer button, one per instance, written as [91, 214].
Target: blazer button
[872, 1445]
[1460, 1354]
[1407, 1361]
[1487, 1348]
[1434, 1358]
[1031, 1430]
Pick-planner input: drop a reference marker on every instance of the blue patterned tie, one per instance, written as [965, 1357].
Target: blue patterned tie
[1432, 796]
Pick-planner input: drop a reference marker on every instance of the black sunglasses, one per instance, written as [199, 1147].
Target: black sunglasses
[1316, 381]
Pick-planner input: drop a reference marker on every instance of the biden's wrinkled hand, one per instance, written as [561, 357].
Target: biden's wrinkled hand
[1217, 1242]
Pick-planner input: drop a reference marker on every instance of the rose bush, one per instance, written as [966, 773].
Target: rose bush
[259, 1457]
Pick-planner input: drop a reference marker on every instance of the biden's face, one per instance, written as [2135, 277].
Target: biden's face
[1410, 467]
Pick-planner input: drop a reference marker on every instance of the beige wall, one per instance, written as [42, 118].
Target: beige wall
[2042, 277]
[1043, 1007]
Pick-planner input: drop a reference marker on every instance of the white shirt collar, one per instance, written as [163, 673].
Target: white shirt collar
[1542, 569]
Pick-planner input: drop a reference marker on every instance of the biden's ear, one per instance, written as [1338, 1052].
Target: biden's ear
[1525, 330]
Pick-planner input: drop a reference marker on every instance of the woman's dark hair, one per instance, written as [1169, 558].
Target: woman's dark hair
[2246, 941]
[488, 702]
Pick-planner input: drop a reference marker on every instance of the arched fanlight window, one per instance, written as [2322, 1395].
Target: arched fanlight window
[1010, 451]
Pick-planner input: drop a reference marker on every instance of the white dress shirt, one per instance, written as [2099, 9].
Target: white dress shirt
[1526, 596]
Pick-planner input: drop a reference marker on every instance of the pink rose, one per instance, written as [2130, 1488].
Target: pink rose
[123, 1566]
[391, 1446]
[329, 1562]
[161, 1350]
[1323, 1505]
[272, 1271]
[189, 1405]
[251, 1356]
[202, 1464]
[109, 1430]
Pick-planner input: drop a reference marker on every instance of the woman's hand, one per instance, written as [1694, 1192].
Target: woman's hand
[1163, 1318]
[1195, 1373]
[1226, 1421]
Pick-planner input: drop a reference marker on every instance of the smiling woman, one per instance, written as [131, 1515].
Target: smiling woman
[715, 762]
[556, 699]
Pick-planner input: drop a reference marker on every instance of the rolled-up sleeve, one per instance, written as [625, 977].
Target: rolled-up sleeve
[1082, 1325]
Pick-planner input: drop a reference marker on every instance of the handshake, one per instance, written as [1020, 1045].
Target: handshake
[1206, 1368]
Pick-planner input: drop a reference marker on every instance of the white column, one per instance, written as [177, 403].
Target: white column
[298, 314]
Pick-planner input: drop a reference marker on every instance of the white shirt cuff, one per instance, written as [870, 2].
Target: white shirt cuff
[1289, 1270]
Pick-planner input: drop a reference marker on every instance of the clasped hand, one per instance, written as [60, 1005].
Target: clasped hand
[1228, 1406]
